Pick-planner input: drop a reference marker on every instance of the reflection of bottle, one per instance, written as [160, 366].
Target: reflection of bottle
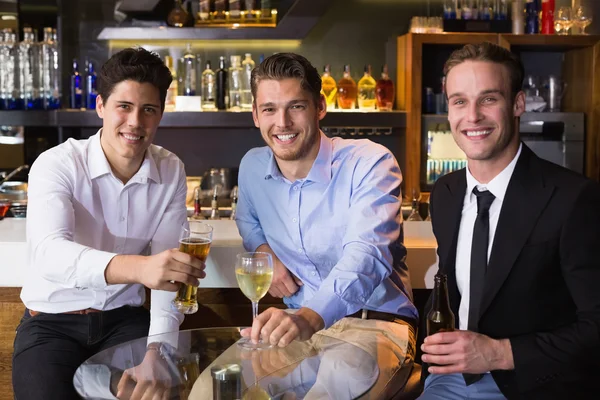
[189, 71]
[346, 91]
[385, 91]
[235, 83]
[440, 318]
[222, 85]
[247, 67]
[76, 88]
[414, 213]
[172, 91]
[208, 88]
[366, 91]
[214, 204]
[90, 87]
[329, 88]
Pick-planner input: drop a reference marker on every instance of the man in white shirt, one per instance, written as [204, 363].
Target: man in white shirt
[96, 208]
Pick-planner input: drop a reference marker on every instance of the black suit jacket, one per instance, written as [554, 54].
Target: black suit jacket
[542, 286]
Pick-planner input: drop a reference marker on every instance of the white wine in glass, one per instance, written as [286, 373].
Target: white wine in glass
[194, 240]
[254, 273]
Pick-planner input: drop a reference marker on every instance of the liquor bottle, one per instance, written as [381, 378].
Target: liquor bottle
[90, 87]
[329, 88]
[180, 76]
[214, 204]
[548, 17]
[449, 9]
[266, 8]
[346, 97]
[50, 71]
[486, 10]
[76, 87]
[8, 69]
[189, 72]
[247, 67]
[199, 72]
[209, 90]
[222, 98]
[532, 25]
[440, 318]
[235, 9]
[30, 62]
[171, 98]
[235, 83]
[384, 91]
[178, 16]
[502, 9]
[197, 204]
[250, 10]
[204, 12]
[366, 91]
[220, 7]
[234, 201]
[414, 212]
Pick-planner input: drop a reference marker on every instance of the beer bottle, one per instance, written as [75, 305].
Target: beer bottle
[440, 317]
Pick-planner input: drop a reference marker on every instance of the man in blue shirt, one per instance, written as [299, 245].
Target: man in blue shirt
[328, 210]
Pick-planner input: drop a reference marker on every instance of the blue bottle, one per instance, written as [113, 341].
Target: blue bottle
[449, 9]
[532, 17]
[76, 87]
[90, 87]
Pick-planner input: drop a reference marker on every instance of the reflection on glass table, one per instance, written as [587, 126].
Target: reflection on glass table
[198, 363]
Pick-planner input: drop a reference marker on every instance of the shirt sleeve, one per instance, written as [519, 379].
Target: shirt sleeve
[53, 253]
[372, 232]
[246, 218]
[163, 316]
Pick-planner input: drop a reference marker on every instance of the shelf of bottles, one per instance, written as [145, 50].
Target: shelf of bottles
[443, 155]
[236, 14]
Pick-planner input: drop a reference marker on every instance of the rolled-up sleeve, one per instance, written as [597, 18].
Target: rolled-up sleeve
[372, 229]
[50, 228]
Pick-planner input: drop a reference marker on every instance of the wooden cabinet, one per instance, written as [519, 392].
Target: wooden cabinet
[421, 57]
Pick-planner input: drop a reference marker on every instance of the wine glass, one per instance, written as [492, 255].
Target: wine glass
[254, 273]
[563, 20]
[194, 240]
[582, 18]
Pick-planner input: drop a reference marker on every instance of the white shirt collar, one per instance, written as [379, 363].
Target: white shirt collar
[99, 166]
[498, 185]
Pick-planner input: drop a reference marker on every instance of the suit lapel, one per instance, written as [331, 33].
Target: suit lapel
[526, 197]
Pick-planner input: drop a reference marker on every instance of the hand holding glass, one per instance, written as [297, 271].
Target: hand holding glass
[194, 240]
[254, 273]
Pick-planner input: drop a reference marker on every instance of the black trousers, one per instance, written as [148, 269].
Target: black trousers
[49, 348]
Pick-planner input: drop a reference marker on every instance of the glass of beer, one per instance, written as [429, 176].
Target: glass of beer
[254, 273]
[194, 240]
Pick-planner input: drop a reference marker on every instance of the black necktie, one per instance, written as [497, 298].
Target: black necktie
[479, 261]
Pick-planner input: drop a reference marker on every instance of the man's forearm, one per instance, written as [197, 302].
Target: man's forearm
[124, 269]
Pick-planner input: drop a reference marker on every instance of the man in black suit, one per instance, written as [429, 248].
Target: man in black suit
[518, 238]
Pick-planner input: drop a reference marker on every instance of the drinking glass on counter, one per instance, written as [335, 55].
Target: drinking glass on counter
[254, 273]
[194, 240]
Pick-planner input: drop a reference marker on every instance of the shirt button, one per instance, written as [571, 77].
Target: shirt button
[122, 219]
[294, 220]
[313, 273]
[295, 187]
[300, 251]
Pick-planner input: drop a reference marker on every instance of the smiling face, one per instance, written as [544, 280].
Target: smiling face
[130, 115]
[288, 119]
[482, 112]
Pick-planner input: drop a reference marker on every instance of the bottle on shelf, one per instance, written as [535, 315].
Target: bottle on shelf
[366, 91]
[189, 72]
[449, 9]
[531, 17]
[548, 17]
[440, 318]
[235, 10]
[222, 98]
[247, 67]
[205, 11]
[76, 87]
[329, 88]
[234, 201]
[172, 91]
[414, 212]
[486, 10]
[8, 61]
[180, 76]
[209, 90]
[90, 87]
[30, 78]
[346, 97]
[384, 91]
[197, 203]
[235, 83]
[266, 8]
[220, 8]
[214, 203]
[250, 10]
[502, 9]
[50, 70]
[178, 17]
[428, 217]
[199, 71]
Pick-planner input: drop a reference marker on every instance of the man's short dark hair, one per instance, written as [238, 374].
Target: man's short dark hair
[135, 64]
[490, 52]
[288, 65]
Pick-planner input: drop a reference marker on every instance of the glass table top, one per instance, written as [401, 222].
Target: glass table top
[207, 364]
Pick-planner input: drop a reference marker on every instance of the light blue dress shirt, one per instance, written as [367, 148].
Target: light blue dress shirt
[339, 230]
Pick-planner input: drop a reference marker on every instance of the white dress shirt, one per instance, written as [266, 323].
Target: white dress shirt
[498, 187]
[79, 216]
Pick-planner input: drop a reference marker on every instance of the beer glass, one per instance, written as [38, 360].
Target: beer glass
[194, 240]
[254, 273]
